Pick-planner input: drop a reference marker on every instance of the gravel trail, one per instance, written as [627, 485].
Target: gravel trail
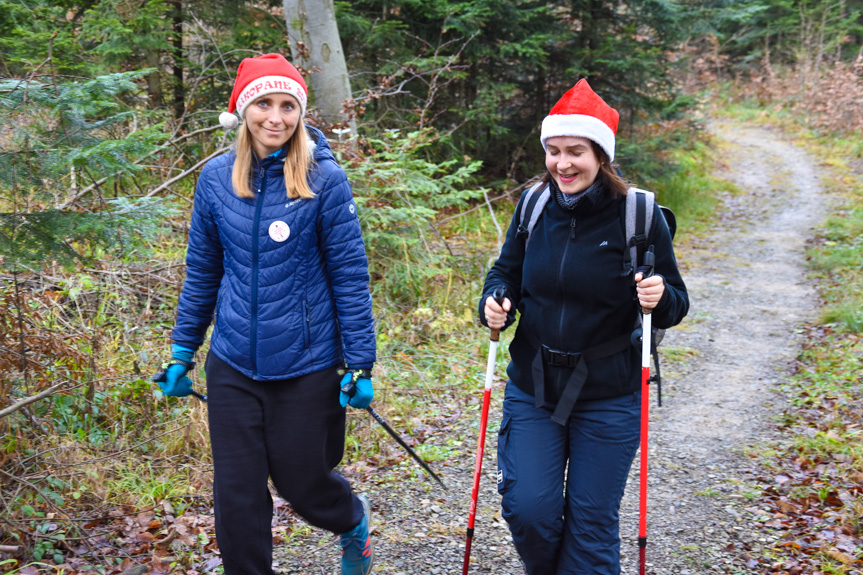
[748, 292]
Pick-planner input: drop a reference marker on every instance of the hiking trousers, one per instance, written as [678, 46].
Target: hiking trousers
[561, 486]
[292, 431]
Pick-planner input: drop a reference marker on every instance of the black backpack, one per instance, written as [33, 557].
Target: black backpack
[638, 218]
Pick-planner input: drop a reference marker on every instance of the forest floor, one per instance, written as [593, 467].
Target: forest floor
[749, 293]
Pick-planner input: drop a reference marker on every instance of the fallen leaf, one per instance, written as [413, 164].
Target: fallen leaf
[788, 508]
[145, 518]
[844, 558]
[166, 505]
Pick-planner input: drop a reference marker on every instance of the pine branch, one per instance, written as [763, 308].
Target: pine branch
[84, 191]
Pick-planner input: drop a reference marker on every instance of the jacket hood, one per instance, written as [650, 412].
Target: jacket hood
[321, 147]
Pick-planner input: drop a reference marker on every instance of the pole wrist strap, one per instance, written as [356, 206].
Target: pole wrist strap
[189, 365]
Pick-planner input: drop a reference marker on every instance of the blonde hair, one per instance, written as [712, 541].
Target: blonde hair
[297, 164]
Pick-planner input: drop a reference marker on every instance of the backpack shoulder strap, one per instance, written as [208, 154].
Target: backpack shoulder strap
[532, 205]
[639, 217]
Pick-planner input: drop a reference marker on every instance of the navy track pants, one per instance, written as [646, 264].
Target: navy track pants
[292, 431]
[562, 485]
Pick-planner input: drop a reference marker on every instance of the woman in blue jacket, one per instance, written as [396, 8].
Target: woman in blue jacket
[276, 262]
[562, 475]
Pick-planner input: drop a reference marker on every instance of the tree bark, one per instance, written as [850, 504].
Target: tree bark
[152, 57]
[316, 46]
[177, 49]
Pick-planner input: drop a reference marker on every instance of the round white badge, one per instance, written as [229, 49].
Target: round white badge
[279, 231]
[351, 208]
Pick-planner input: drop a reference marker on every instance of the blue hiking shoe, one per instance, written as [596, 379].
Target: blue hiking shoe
[357, 549]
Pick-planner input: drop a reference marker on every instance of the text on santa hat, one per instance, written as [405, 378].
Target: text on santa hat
[251, 91]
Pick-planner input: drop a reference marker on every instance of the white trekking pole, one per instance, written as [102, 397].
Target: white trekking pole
[647, 271]
[494, 337]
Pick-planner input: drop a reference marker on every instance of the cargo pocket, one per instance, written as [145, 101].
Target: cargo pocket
[505, 457]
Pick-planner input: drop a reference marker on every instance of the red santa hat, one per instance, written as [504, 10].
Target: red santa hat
[582, 113]
[267, 74]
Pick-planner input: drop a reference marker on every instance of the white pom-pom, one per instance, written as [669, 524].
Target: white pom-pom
[228, 121]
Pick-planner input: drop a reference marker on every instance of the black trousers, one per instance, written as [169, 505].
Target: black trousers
[292, 431]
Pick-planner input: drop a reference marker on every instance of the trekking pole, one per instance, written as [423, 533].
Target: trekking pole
[494, 337]
[647, 271]
[350, 389]
[401, 442]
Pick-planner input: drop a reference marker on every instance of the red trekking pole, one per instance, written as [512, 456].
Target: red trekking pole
[647, 270]
[498, 296]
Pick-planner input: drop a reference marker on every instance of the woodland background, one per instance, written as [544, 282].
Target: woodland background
[109, 111]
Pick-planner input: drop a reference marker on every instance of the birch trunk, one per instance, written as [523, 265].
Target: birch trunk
[315, 44]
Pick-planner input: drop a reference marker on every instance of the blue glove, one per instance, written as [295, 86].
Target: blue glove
[175, 383]
[356, 389]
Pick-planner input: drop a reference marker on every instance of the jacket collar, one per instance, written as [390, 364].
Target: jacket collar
[319, 149]
[593, 199]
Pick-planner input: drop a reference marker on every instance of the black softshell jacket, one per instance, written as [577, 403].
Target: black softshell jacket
[572, 292]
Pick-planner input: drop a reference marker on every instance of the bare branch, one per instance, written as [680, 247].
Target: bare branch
[179, 177]
[436, 84]
[28, 400]
[494, 221]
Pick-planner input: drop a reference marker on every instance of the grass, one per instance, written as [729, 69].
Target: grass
[143, 486]
[693, 190]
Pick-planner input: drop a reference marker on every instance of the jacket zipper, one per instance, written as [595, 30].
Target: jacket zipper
[308, 331]
[560, 279]
[259, 202]
[216, 315]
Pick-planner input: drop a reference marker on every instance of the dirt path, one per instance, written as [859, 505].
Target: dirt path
[749, 292]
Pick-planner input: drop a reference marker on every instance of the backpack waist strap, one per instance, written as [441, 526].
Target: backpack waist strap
[575, 361]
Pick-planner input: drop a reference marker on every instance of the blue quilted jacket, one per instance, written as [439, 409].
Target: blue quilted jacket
[285, 281]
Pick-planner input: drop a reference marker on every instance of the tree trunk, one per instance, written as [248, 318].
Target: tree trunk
[177, 49]
[154, 80]
[316, 46]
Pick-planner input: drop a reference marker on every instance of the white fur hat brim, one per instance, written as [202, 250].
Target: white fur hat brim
[579, 126]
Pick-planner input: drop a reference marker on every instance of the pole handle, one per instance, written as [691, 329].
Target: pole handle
[647, 269]
[499, 294]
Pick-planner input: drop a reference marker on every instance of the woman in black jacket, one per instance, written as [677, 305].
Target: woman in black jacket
[562, 478]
